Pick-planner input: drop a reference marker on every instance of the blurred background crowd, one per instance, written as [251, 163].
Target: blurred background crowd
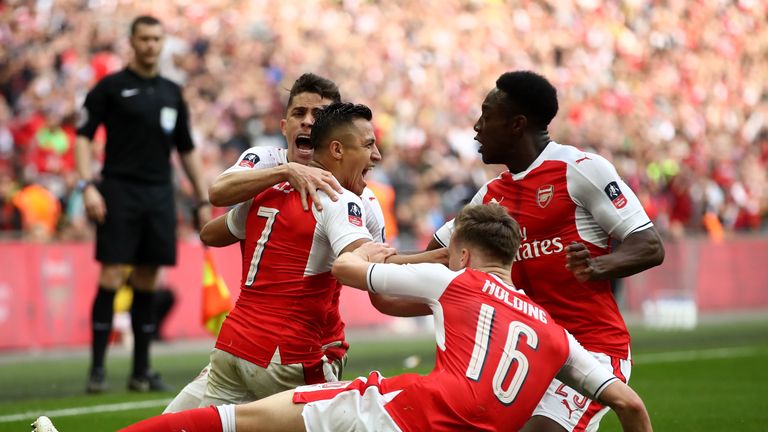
[673, 92]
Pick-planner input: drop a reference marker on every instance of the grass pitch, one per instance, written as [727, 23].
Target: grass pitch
[709, 379]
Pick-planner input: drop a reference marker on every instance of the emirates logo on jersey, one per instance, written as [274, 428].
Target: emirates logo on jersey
[544, 195]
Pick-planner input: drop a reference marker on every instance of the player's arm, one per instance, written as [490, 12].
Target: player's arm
[227, 228]
[586, 375]
[628, 406]
[596, 187]
[398, 306]
[216, 234]
[639, 251]
[423, 282]
[438, 256]
[239, 185]
[404, 307]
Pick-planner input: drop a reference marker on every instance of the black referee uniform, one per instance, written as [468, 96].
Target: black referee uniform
[145, 118]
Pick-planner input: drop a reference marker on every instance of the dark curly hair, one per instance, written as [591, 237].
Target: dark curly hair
[530, 94]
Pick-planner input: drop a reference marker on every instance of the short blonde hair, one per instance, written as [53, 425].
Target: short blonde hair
[490, 228]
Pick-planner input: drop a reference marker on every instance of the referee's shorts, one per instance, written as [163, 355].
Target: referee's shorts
[140, 225]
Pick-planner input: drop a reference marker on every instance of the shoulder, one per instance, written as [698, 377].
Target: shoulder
[347, 203]
[259, 158]
[584, 163]
[168, 83]
[571, 155]
[112, 81]
[345, 199]
[369, 197]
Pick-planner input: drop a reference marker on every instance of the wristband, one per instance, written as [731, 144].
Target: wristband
[82, 184]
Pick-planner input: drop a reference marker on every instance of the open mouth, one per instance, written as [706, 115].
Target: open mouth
[303, 144]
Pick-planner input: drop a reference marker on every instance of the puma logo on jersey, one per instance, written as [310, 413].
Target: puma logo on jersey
[126, 93]
[583, 159]
[493, 201]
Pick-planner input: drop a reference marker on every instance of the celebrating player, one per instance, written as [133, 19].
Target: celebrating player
[569, 203]
[251, 174]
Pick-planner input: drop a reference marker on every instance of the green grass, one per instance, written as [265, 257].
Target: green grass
[710, 379]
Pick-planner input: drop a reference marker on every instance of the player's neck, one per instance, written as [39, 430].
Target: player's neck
[499, 272]
[533, 143]
[143, 71]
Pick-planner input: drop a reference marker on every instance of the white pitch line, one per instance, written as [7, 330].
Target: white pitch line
[666, 357]
[679, 356]
[125, 406]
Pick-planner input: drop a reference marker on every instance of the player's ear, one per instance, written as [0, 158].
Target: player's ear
[283, 122]
[466, 257]
[337, 149]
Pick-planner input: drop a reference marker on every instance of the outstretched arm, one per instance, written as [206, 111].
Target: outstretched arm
[351, 267]
[237, 186]
[640, 251]
[399, 306]
[628, 406]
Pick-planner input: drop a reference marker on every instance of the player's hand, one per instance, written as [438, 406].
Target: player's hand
[578, 260]
[95, 207]
[375, 252]
[307, 180]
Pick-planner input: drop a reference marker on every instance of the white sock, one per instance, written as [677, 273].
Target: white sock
[227, 415]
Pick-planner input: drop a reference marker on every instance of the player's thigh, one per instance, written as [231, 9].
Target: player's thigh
[277, 411]
[157, 245]
[274, 379]
[343, 406]
[117, 239]
[225, 385]
[573, 411]
[191, 395]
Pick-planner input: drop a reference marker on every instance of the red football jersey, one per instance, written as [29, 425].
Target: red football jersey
[497, 352]
[567, 195]
[286, 285]
[256, 158]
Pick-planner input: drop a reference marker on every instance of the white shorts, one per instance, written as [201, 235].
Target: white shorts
[573, 411]
[191, 396]
[347, 406]
[233, 380]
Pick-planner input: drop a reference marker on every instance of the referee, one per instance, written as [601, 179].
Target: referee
[145, 116]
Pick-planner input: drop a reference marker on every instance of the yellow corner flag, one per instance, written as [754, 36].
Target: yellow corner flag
[216, 298]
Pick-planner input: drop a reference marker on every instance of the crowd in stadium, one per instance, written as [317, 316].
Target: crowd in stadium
[672, 92]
